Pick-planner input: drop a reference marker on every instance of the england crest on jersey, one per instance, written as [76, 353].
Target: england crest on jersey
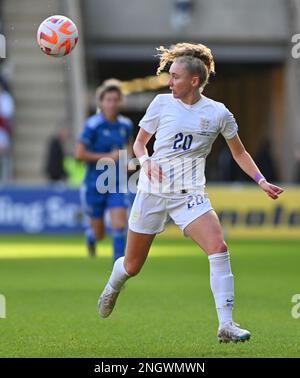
[204, 124]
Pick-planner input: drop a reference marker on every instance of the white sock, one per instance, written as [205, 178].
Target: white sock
[221, 283]
[118, 275]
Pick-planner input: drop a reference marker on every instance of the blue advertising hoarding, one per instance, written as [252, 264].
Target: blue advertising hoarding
[35, 210]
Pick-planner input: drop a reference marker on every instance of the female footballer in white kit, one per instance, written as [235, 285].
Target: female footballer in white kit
[172, 180]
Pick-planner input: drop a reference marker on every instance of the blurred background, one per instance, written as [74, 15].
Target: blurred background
[47, 99]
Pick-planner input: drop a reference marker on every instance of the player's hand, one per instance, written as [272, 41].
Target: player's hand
[153, 171]
[272, 191]
[114, 154]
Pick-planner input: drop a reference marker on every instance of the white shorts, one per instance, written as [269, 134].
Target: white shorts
[150, 213]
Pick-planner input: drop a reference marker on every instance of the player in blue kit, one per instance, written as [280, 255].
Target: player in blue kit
[103, 136]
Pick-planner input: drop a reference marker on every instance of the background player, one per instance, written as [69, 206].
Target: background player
[104, 135]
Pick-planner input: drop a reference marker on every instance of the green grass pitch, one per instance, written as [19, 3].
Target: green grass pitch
[51, 290]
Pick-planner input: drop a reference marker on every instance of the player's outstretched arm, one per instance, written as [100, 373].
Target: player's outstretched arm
[247, 164]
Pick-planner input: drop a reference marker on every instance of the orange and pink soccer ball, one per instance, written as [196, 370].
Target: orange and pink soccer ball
[57, 36]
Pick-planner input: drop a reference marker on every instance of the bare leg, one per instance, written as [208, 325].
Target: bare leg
[207, 233]
[137, 248]
[97, 226]
[93, 233]
[118, 217]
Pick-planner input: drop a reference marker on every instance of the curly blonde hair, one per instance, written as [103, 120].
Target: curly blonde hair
[198, 59]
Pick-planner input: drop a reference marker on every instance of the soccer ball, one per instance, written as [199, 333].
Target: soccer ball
[57, 36]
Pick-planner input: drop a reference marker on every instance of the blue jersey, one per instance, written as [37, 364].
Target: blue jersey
[102, 136]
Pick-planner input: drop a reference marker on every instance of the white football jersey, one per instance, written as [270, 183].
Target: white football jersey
[184, 135]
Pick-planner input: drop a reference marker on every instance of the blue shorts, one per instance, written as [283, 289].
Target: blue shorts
[94, 203]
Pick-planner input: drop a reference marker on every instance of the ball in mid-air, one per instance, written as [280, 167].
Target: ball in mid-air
[57, 36]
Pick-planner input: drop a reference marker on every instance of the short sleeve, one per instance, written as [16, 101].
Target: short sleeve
[87, 134]
[229, 127]
[150, 120]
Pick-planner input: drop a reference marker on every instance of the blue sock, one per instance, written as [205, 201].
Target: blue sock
[89, 234]
[119, 241]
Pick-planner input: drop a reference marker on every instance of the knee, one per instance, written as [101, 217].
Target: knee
[217, 246]
[119, 220]
[119, 224]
